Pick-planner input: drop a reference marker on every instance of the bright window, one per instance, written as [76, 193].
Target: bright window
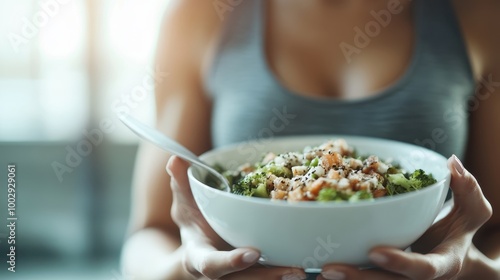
[65, 63]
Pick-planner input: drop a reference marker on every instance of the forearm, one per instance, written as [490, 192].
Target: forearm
[483, 261]
[488, 242]
[152, 254]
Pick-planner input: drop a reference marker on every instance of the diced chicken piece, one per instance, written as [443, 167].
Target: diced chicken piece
[296, 195]
[382, 167]
[354, 184]
[292, 159]
[296, 183]
[370, 184]
[335, 174]
[279, 160]
[330, 160]
[355, 163]
[343, 184]
[270, 180]
[355, 175]
[279, 195]
[370, 164]
[299, 170]
[316, 186]
[319, 171]
[312, 154]
[339, 146]
[281, 183]
[313, 174]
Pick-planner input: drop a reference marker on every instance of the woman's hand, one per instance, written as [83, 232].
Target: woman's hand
[205, 254]
[445, 250]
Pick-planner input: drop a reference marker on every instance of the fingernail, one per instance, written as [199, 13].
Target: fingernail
[333, 275]
[250, 257]
[378, 258]
[293, 276]
[457, 164]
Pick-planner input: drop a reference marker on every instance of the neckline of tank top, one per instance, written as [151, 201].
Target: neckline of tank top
[381, 94]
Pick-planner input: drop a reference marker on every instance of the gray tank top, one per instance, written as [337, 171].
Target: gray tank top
[427, 106]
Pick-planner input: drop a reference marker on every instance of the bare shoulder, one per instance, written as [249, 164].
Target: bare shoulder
[480, 23]
[186, 39]
[187, 31]
[192, 18]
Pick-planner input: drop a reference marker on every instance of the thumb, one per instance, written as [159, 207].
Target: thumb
[467, 194]
[177, 169]
[184, 210]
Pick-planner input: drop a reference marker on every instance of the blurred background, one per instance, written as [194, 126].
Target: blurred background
[66, 68]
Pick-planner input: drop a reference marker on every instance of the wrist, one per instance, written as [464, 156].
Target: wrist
[147, 255]
[182, 270]
[477, 266]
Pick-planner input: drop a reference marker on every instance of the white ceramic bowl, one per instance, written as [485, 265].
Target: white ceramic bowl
[310, 234]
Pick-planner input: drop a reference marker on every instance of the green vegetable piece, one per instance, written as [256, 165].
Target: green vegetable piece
[278, 170]
[426, 180]
[403, 183]
[314, 162]
[253, 184]
[232, 176]
[242, 189]
[361, 195]
[261, 191]
[327, 195]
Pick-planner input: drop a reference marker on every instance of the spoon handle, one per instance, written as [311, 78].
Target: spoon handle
[154, 136]
[157, 138]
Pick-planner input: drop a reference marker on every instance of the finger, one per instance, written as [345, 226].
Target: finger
[259, 273]
[417, 266]
[184, 208]
[177, 169]
[179, 182]
[469, 199]
[206, 260]
[346, 272]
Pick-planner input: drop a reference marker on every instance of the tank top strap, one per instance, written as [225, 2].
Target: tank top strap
[440, 31]
[240, 31]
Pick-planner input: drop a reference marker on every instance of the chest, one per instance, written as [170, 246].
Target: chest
[343, 52]
[292, 84]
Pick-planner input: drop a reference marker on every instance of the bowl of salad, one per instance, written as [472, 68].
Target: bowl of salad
[310, 200]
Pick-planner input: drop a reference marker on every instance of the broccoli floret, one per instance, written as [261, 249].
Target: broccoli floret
[255, 183]
[425, 179]
[242, 189]
[278, 170]
[402, 183]
[249, 185]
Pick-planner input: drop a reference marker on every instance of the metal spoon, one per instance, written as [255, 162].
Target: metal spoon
[154, 136]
